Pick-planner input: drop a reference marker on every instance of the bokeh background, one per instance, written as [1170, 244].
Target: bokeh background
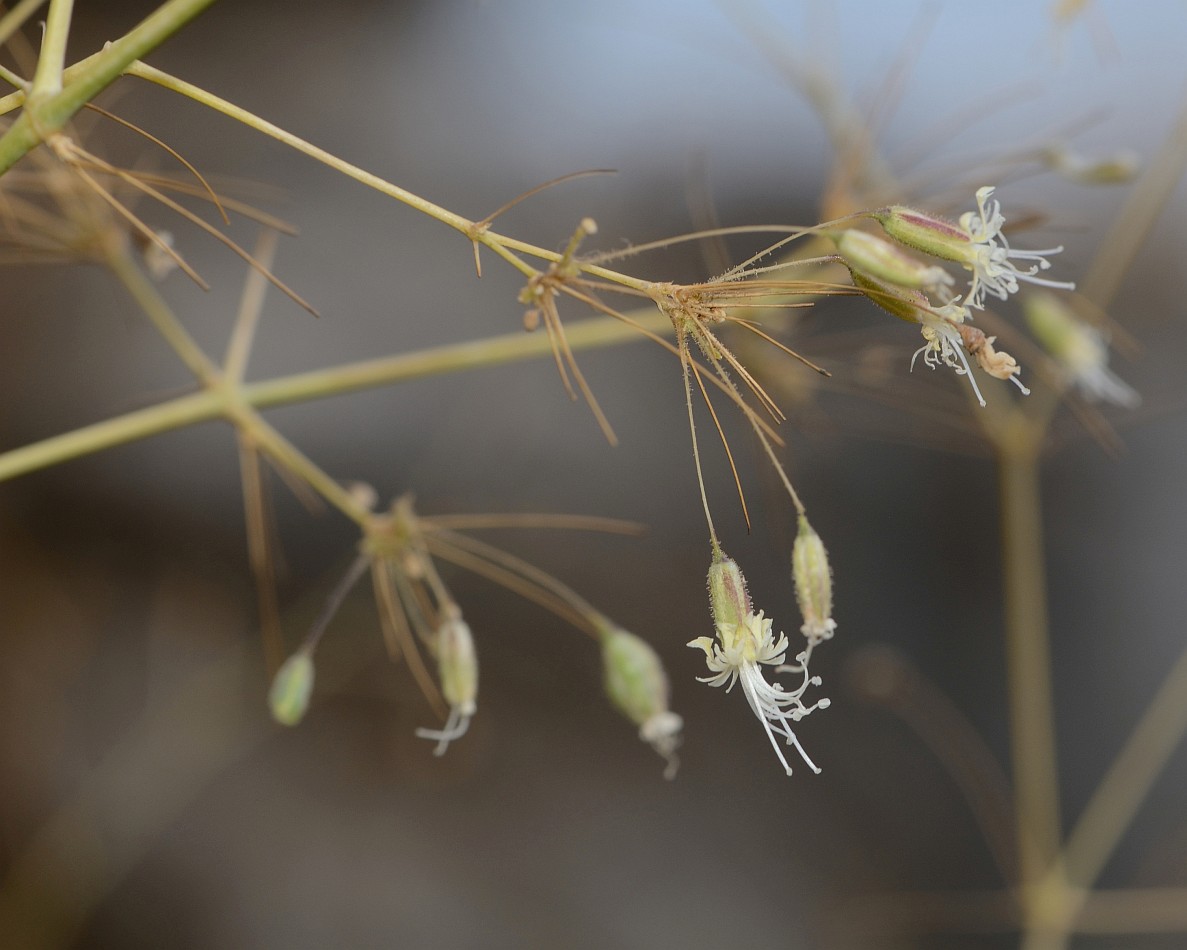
[145, 798]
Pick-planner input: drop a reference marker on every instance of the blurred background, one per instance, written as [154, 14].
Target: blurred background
[146, 800]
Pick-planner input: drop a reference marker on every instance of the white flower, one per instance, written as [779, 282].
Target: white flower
[738, 653]
[990, 257]
[944, 344]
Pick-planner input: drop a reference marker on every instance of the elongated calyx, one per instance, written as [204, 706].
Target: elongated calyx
[728, 598]
[638, 686]
[813, 583]
[870, 255]
[457, 671]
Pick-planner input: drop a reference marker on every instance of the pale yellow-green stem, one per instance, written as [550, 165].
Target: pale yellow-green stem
[499, 243]
[47, 79]
[14, 19]
[1028, 661]
[189, 410]
[85, 81]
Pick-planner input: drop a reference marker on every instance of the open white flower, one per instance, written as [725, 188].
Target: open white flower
[738, 653]
[976, 243]
[941, 330]
[991, 258]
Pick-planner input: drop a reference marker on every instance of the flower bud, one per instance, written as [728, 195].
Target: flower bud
[728, 598]
[637, 684]
[872, 255]
[813, 583]
[288, 698]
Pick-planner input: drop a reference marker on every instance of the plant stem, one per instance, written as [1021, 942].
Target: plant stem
[41, 119]
[47, 80]
[499, 243]
[1116, 800]
[15, 18]
[1032, 715]
[301, 387]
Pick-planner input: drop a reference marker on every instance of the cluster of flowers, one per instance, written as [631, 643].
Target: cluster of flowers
[419, 613]
[745, 641]
[901, 283]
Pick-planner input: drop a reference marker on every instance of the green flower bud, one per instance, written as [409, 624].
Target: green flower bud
[813, 583]
[291, 688]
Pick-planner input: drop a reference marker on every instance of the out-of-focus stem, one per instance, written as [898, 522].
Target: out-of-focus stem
[1028, 659]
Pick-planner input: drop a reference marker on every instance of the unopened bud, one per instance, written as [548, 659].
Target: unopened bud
[872, 255]
[637, 684]
[728, 598]
[288, 698]
[813, 583]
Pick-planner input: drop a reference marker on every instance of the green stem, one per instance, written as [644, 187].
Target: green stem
[1117, 798]
[15, 18]
[499, 243]
[47, 79]
[50, 115]
[301, 387]
[161, 314]
[1032, 716]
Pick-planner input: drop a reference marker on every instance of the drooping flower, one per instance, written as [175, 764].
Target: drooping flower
[813, 579]
[738, 653]
[976, 243]
[637, 684]
[939, 325]
[1081, 350]
[457, 668]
